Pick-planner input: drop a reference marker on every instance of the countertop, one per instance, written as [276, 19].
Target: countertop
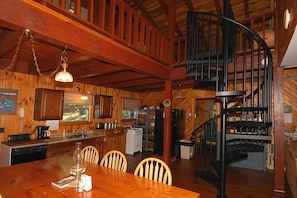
[53, 140]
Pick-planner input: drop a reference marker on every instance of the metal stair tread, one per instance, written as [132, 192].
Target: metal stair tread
[244, 109]
[248, 137]
[245, 147]
[229, 93]
[248, 123]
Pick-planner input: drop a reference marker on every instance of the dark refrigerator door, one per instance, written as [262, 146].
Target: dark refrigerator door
[178, 128]
[177, 131]
[158, 133]
[178, 124]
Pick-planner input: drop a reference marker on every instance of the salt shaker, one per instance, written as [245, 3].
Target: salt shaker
[87, 181]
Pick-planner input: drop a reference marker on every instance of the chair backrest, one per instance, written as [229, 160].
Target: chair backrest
[116, 160]
[154, 169]
[91, 154]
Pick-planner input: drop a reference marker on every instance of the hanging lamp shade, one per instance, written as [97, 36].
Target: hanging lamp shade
[179, 94]
[64, 76]
[84, 97]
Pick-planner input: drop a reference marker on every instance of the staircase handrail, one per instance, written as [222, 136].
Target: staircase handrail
[198, 129]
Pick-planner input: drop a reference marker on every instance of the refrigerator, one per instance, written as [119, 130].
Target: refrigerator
[178, 131]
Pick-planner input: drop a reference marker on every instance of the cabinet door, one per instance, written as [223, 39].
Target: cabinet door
[48, 104]
[103, 106]
[120, 139]
[64, 148]
[108, 145]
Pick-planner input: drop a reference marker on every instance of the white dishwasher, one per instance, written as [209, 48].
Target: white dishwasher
[134, 140]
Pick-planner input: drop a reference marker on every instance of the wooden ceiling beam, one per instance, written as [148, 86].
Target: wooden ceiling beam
[92, 69]
[117, 77]
[138, 82]
[38, 18]
[8, 41]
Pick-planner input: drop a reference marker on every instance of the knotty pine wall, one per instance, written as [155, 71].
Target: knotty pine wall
[188, 103]
[290, 96]
[26, 84]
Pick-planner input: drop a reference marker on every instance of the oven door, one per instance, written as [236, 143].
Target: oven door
[27, 154]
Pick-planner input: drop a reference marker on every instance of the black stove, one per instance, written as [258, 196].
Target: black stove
[19, 137]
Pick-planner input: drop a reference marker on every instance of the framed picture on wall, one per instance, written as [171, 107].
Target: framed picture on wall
[8, 101]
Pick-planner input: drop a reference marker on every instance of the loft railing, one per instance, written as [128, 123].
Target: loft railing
[118, 21]
[262, 24]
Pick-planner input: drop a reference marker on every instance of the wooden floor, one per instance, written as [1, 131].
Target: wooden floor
[240, 183]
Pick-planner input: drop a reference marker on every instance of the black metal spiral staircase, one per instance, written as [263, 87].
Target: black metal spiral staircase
[237, 62]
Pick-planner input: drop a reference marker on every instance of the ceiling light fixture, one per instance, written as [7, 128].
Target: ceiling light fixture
[179, 94]
[29, 33]
[84, 95]
[64, 76]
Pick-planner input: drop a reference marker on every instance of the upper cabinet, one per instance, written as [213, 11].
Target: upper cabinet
[103, 106]
[48, 104]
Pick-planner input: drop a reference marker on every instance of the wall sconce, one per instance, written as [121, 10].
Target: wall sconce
[29, 33]
[179, 94]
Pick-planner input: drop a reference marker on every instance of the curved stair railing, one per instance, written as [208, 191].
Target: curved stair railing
[237, 62]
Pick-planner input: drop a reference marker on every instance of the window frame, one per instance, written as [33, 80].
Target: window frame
[130, 104]
[74, 98]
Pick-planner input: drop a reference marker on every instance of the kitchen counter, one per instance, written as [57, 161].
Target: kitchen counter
[52, 140]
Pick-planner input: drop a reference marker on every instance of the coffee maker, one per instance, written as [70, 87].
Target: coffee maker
[42, 132]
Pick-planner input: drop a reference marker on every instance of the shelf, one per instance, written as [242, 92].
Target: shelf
[146, 119]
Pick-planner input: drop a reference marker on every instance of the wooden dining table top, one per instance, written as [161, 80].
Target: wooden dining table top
[33, 179]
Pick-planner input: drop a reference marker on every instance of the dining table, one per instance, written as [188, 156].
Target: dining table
[33, 179]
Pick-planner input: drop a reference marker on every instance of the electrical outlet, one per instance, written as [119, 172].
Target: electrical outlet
[1, 130]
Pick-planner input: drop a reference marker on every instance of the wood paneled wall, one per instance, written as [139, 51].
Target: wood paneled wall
[188, 103]
[26, 84]
[290, 96]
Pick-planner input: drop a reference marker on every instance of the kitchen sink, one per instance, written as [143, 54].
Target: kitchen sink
[76, 136]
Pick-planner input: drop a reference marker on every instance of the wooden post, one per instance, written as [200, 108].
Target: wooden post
[167, 136]
[279, 151]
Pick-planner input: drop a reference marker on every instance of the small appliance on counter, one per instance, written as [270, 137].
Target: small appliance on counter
[42, 132]
[19, 137]
[99, 125]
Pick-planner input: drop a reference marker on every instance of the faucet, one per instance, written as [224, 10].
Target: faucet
[82, 132]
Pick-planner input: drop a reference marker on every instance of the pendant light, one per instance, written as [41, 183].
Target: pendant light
[64, 76]
[84, 95]
[179, 94]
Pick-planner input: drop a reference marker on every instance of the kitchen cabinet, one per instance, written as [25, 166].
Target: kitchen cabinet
[103, 106]
[120, 139]
[48, 104]
[58, 149]
[146, 119]
[115, 140]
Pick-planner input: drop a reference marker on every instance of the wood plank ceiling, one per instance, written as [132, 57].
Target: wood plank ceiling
[89, 70]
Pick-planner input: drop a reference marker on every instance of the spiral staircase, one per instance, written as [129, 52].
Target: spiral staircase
[237, 63]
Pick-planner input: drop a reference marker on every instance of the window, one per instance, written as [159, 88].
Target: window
[75, 109]
[129, 108]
